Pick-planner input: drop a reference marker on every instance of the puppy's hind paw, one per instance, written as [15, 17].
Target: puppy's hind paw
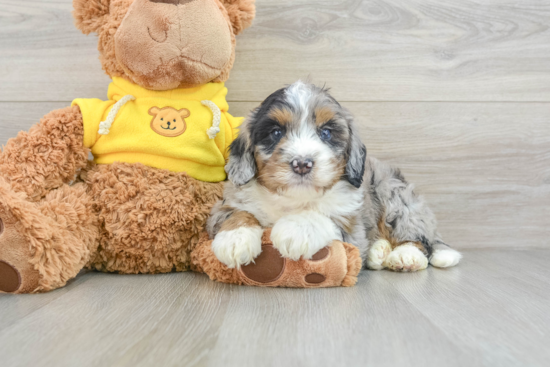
[238, 246]
[445, 258]
[406, 258]
[377, 254]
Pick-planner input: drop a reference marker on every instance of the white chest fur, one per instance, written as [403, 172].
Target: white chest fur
[342, 200]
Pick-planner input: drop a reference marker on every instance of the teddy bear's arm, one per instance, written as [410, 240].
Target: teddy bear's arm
[47, 156]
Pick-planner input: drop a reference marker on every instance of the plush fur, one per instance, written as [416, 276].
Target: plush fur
[26, 161]
[150, 218]
[48, 242]
[299, 166]
[60, 213]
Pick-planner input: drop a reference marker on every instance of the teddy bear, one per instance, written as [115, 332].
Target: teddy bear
[159, 142]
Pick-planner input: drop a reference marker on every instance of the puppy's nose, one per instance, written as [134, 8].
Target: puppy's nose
[301, 167]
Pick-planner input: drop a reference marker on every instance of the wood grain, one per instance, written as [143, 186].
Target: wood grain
[484, 168]
[456, 93]
[400, 50]
[13, 309]
[117, 318]
[482, 313]
[384, 50]
[499, 326]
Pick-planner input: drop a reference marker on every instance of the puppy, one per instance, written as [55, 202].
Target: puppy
[299, 166]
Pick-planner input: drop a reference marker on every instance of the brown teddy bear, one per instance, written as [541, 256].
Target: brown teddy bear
[160, 143]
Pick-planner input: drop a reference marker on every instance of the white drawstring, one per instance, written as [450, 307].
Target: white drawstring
[104, 126]
[215, 129]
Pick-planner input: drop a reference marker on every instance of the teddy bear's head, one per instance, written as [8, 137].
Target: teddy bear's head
[165, 44]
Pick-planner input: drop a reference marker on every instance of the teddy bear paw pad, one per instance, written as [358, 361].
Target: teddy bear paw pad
[321, 254]
[315, 278]
[10, 279]
[267, 267]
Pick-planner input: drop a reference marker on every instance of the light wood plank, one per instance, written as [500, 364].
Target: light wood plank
[396, 50]
[14, 309]
[21, 116]
[44, 57]
[483, 167]
[483, 312]
[487, 304]
[399, 50]
[115, 320]
[363, 326]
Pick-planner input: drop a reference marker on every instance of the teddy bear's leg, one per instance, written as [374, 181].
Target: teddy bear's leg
[44, 244]
[39, 243]
[333, 266]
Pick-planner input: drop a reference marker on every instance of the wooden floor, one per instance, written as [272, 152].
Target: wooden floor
[492, 310]
[456, 93]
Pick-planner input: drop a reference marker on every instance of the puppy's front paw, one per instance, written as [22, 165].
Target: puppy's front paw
[377, 254]
[303, 235]
[238, 246]
[406, 258]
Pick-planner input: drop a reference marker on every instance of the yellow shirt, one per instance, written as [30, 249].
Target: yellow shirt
[161, 129]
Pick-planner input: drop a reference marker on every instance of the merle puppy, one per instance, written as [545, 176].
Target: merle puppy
[299, 166]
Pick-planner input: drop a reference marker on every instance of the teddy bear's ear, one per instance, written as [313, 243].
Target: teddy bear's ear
[241, 13]
[184, 113]
[89, 15]
[153, 111]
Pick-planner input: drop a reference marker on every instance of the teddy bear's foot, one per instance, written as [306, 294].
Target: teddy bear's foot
[44, 244]
[17, 275]
[333, 266]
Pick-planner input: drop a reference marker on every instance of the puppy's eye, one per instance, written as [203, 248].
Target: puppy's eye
[326, 135]
[276, 134]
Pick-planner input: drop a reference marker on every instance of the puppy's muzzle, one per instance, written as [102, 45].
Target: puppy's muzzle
[301, 166]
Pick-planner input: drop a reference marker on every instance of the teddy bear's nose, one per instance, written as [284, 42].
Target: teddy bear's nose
[173, 2]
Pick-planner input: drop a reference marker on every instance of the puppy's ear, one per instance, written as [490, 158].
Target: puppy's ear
[241, 167]
[90, 15]
[356, 155]
[241, 13]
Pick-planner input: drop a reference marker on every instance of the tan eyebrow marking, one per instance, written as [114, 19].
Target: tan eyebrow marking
[282, 115]
[323, 115]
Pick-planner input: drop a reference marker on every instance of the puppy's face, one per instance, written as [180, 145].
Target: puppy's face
[299, 139]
